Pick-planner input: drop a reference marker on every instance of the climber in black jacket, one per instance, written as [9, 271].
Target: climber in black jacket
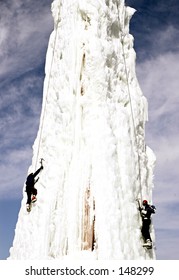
[146, 210]
[30, 189]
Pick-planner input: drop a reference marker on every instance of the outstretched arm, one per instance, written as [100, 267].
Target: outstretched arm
[140, 208]
[37, 172]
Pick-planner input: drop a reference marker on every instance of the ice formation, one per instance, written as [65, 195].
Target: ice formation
[92, 137]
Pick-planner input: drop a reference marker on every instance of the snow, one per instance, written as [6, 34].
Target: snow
[92, 137]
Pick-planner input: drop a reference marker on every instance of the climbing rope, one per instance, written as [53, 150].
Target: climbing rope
[48, 85]
[129, 95]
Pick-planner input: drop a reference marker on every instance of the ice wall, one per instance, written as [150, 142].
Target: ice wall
[92, 137]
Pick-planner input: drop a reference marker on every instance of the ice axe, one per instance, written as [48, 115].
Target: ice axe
[138, 204]
[41, 161]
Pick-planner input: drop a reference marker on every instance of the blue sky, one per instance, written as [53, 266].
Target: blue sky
[25, 27]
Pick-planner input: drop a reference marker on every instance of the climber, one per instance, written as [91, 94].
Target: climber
[30, 189]
[146, 210]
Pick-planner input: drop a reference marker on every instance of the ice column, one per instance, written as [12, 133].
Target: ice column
[92, 137]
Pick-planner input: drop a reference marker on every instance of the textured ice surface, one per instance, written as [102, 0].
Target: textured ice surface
[92, 137]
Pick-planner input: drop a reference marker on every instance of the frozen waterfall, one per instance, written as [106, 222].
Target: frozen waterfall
[92, 138]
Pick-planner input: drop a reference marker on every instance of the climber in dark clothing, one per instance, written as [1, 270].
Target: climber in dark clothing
[30, 189]
[146, 210]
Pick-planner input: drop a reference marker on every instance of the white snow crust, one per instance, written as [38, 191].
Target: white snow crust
[92, 137]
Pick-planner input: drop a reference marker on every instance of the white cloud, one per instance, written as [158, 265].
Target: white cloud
[158, 78]
[24, 35]
[20, 110]
[160, 84]
[13, 172]
[25, 28]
